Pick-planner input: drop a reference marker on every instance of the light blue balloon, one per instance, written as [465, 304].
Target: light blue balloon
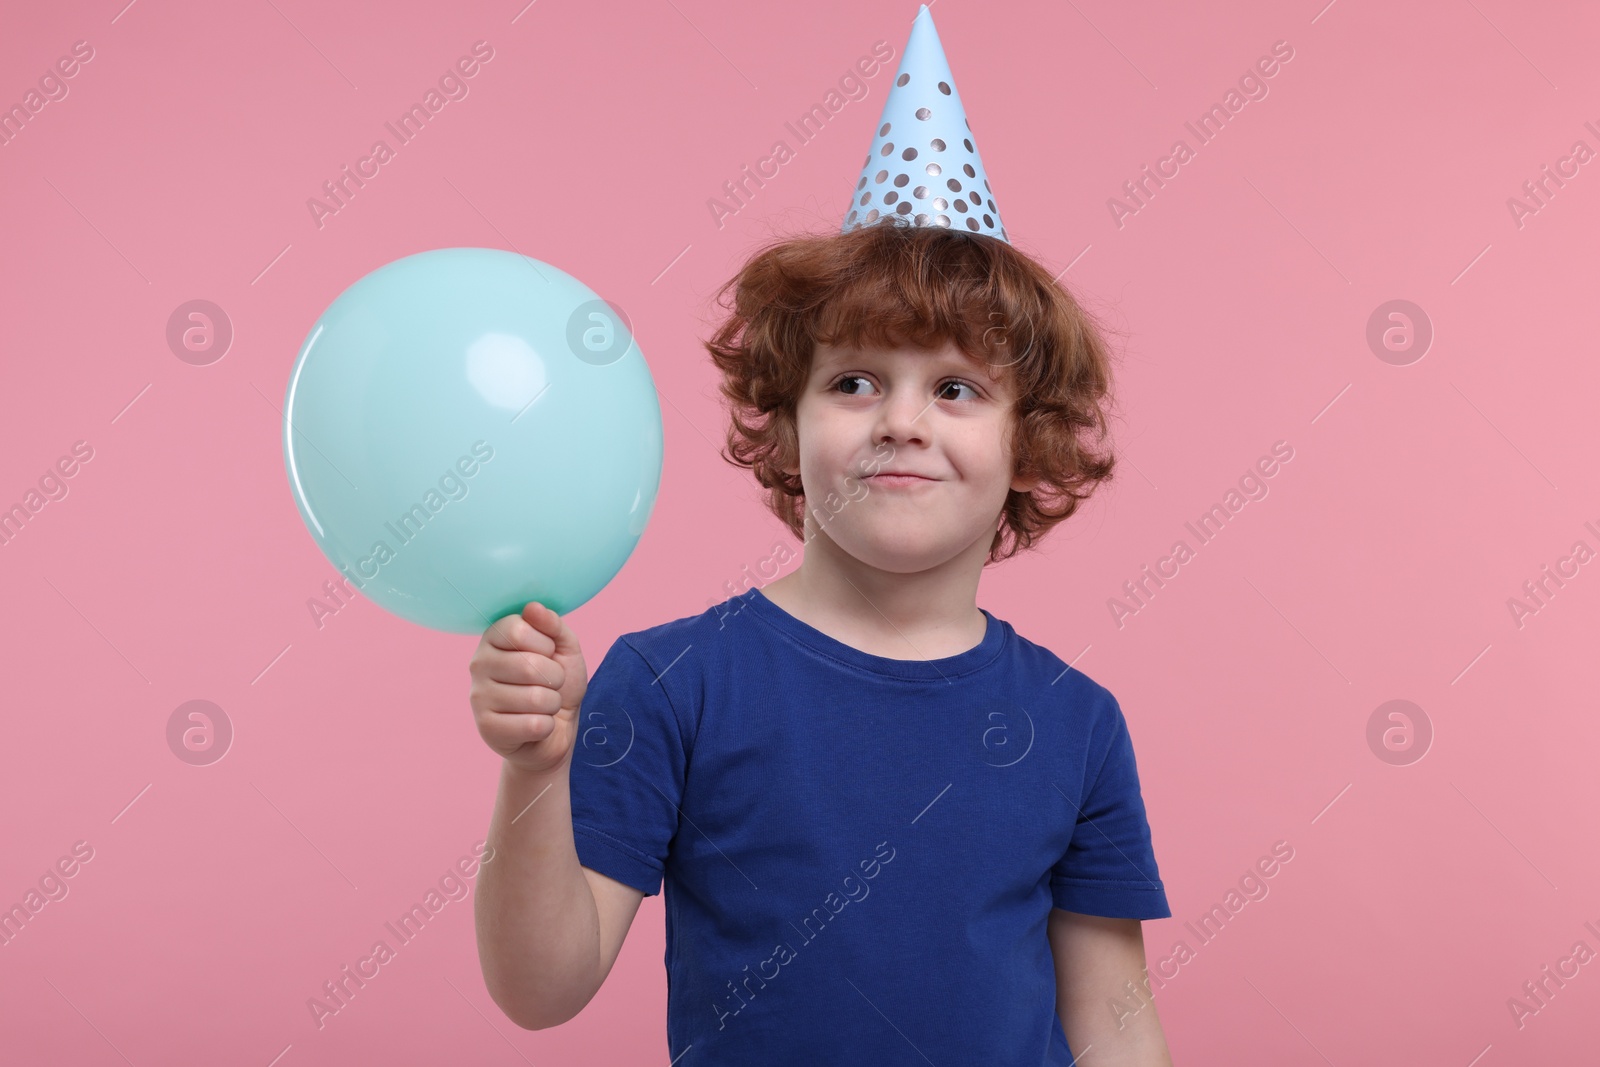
[468, 429]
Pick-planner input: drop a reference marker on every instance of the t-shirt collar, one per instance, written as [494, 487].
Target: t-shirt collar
[947, 668]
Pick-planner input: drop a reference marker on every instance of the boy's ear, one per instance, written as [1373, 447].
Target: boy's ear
[1026, 485]
[793, 469]
[1023, 483]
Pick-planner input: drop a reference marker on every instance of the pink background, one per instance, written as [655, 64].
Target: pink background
[1419, 498]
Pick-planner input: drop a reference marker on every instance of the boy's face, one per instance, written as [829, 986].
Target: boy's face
[936, 413]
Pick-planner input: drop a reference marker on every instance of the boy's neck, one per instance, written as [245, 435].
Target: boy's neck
[931, 614]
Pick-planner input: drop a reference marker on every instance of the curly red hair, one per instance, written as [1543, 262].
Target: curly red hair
[892, 284]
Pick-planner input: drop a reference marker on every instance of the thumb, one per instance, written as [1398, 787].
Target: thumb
[552, 626]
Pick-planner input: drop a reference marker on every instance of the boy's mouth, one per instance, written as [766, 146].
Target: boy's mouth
[900, 478]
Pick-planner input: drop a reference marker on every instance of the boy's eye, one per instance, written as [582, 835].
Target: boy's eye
[942, 391]
[959, 384]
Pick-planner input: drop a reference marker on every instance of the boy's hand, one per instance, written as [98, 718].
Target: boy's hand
[528, 681]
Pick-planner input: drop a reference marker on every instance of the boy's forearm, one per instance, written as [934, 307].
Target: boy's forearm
[1103, 994]
[1099, 1039]
[537, 924]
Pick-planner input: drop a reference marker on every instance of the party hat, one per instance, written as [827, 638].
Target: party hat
[923, 163]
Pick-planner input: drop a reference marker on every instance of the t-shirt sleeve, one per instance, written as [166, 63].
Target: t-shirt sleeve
[627, 771]
[1109, 868]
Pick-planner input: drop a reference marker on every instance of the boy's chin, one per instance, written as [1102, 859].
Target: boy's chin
[889, 551]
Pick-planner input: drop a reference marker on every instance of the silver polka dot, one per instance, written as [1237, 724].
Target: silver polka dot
[877, 178]
[937, 144]
[987, 221]
[972, 224]
[943, 220]
[922, 220]
[888, 146]
[943, 88]
[986, 184]
[955, 186]
[977, 201]
[967, 167]
[991, 205]
[968, 143]
[852, 217]
[910, 153]
[933, 169]
[884, 130]
[890, 197]
[924, 114]
[865, 197]
[904, 208]
[905, 78]
[863, 183]
[968, 122]
[872, 216]
[920, 192]
[900, 180]
[961, 206]
[940, 202]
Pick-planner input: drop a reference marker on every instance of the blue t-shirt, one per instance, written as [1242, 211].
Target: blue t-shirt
[859, 853]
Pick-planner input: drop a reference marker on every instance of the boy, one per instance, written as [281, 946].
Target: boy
[891, 830]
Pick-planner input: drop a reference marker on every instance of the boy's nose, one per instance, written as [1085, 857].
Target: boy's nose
[900, 417]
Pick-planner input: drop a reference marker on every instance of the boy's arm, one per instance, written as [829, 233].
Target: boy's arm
[1101, 991]
[548, 929]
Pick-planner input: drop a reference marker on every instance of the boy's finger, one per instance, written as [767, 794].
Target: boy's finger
[514, 670]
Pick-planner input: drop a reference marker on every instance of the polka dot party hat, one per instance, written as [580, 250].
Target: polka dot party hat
[923, 163]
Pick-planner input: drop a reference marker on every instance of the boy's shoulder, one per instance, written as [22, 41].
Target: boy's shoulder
[681, 654]
[687, 632]
[1070, 682]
